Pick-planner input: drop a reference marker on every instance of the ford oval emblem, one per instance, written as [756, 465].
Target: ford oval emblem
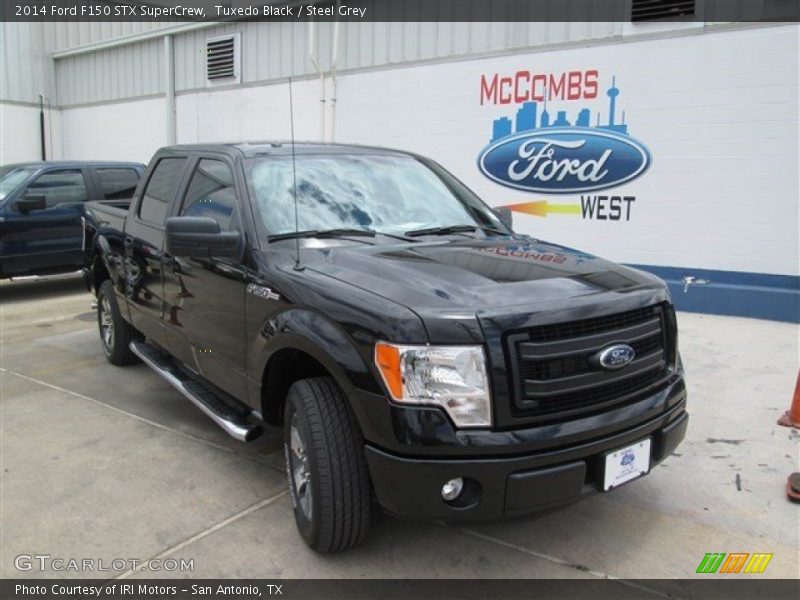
[564, 160]
[616, 356]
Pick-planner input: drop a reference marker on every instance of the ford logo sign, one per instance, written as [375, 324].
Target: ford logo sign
[564, 160]
[627, 458]
[615, 357]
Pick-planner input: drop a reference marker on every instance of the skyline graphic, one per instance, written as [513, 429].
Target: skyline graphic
[528, 116]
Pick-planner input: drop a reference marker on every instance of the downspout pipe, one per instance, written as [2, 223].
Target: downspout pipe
[334, 60]
[42, 136]
[312, 54]
[169, 89]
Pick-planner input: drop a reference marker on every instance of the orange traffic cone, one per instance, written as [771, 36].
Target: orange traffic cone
[791, 418]
[793, 487]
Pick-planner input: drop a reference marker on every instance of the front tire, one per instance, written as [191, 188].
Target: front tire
[326, 467]
[116, 334]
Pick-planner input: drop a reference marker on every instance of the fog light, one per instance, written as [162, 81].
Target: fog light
[452, 489]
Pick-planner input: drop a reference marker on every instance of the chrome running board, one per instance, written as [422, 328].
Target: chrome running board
[233, 419]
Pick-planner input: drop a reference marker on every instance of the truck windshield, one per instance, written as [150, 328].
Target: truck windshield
[384, 194]
[10, 179]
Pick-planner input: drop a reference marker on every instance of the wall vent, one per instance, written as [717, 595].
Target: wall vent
[657, 10]
[222, 59]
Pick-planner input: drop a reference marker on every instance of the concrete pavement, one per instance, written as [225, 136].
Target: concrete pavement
[105, 462]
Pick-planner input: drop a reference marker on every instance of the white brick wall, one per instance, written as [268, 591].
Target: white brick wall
[20, 133]
[120, 131]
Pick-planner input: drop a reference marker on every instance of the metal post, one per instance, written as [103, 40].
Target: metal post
[334, 61]
[42, 127]
[169, 89]
[312, 54]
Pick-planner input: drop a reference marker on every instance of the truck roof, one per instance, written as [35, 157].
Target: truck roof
[284, 147]
[73, 163]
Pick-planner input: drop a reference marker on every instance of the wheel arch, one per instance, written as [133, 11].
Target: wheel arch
[298, 344]
[101, 268]
[99, 273]
[284, 368]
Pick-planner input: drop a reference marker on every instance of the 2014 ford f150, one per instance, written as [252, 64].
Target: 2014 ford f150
[414, 348]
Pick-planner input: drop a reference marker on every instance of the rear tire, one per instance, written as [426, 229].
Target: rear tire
[326, 467]
[116, 333]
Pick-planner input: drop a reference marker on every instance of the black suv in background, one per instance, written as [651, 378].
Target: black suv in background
[41, 204]
[412, 346]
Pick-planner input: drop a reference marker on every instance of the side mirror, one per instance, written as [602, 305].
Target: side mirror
[506, 216]
[31, 202]
[200, 237]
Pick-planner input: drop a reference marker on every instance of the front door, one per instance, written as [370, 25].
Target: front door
[205, 297]
[47, 239]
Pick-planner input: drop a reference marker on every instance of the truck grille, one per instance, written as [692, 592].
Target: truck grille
[553, 374]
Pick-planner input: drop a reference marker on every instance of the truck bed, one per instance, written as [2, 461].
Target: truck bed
[107, 214]
[103, 225]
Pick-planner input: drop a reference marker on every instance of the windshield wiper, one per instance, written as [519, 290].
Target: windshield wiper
[493, 230]
[454, 229]
[442, 230]
[320, 233]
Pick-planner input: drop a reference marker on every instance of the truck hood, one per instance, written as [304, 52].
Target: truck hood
[459, 279]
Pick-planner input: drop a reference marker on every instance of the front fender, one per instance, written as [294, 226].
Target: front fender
[348, 361]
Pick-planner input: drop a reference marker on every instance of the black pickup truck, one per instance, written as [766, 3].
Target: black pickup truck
[415, 350]
[41, 205]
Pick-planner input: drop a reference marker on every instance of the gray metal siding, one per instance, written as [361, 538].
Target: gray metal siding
[22, 70]
[276, 50]
[280, 49]
[128, 71]
[26, 71]
[365, 45]
[268, 51]
[69, 35]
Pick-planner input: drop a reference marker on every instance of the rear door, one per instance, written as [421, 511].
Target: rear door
[205, 297]
[115, 182]
[144, 244]
[49, 238]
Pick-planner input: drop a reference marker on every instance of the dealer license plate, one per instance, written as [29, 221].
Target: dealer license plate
[627, 463]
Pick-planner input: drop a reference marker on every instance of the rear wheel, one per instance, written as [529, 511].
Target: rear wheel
[326, 467]
[116, 334]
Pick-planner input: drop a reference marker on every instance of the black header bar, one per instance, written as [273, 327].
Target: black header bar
[705, 587]
[187, 11]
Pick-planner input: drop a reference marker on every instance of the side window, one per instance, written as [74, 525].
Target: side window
[116, 184]
[211, 193]
[59, 187]
[160, 190]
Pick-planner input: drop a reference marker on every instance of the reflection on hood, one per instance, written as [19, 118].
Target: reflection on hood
[474, 274]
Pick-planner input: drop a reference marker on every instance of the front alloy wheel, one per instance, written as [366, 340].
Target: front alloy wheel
[326, 466]
[300, 473]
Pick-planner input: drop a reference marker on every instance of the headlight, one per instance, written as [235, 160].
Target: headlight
[453, 377]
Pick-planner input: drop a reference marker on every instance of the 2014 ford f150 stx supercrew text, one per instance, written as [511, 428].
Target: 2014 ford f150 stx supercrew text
[415, 350]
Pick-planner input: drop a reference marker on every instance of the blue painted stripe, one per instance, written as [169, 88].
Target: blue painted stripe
[735, 293]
